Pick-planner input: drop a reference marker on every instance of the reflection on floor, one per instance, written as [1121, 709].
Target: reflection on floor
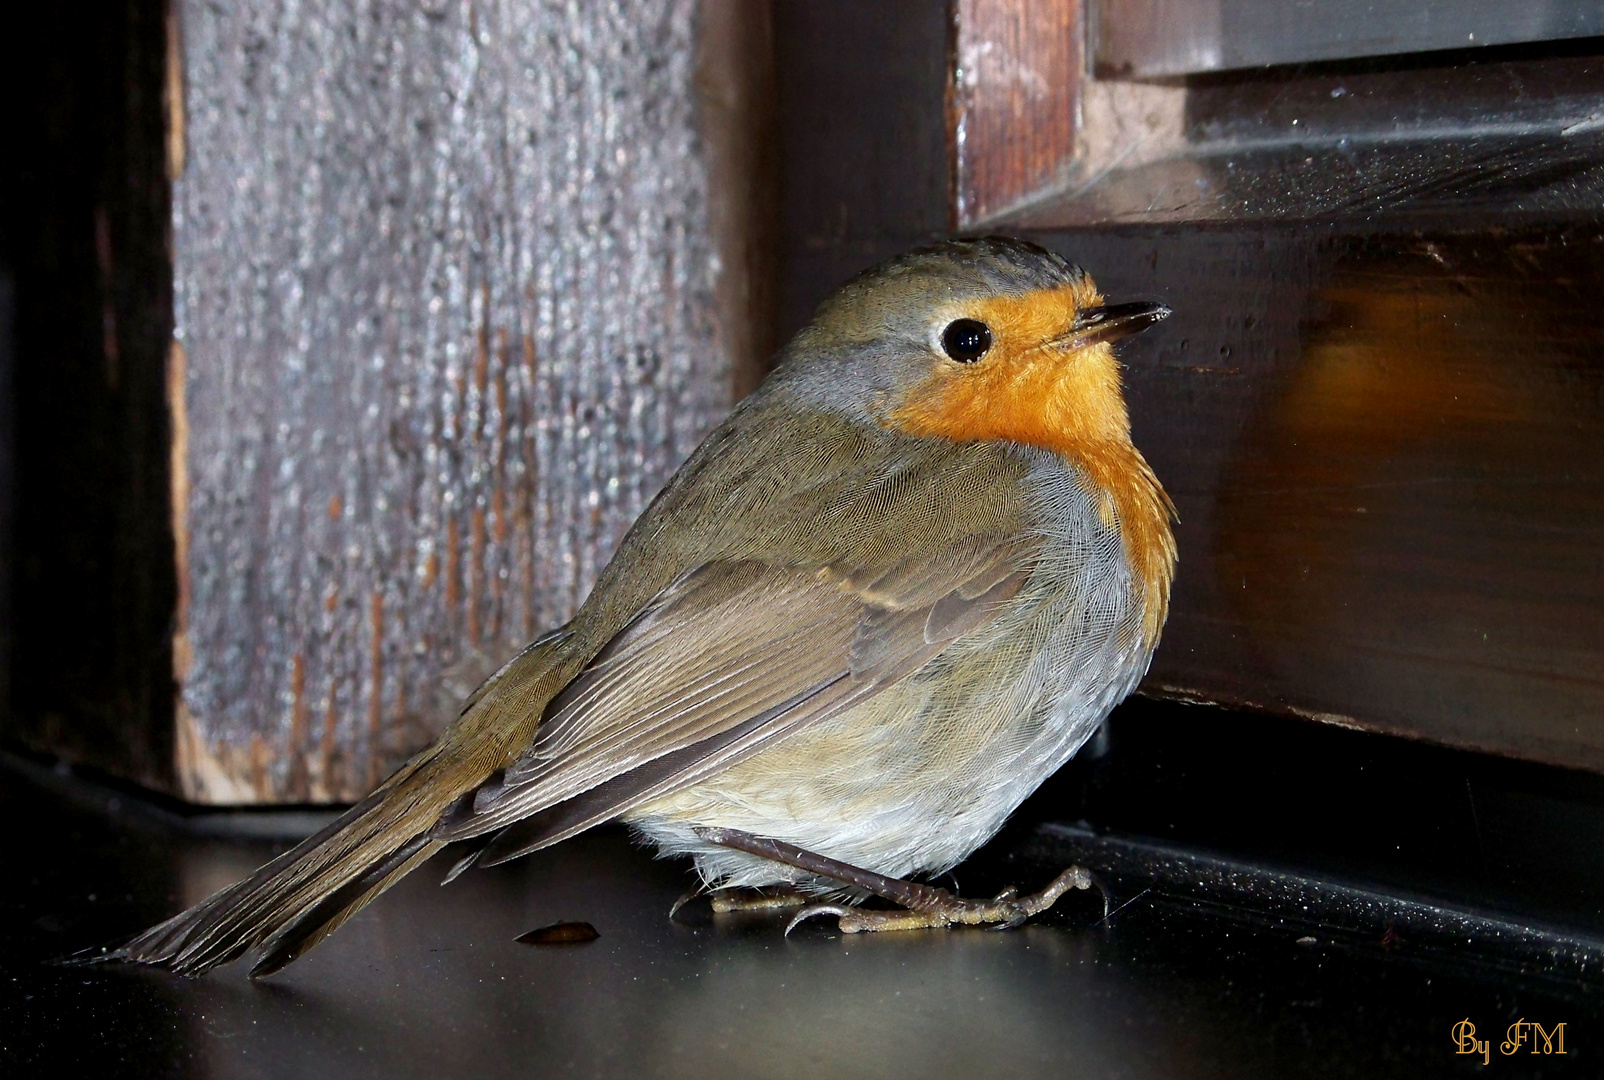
[430, 983]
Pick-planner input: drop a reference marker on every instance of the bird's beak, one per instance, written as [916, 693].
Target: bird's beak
[1110, 323]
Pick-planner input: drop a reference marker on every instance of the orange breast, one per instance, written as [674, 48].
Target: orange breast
[1070, 403]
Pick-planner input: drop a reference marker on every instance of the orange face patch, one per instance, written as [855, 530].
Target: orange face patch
[1027, 390]
[1024, 389]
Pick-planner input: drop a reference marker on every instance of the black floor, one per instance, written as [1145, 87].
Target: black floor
[1182, 981]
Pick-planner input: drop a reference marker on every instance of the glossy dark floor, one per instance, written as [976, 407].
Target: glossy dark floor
[430, 983]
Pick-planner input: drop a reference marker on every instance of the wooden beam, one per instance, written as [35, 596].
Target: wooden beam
[1012, 115]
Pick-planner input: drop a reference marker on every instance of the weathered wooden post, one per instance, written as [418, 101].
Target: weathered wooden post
[455, 286]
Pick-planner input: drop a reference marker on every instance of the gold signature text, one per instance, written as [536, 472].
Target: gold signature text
[1523, 1033]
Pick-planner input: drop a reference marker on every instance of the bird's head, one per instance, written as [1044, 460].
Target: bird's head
[975, 340]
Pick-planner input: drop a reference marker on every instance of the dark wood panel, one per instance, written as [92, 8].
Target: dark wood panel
[1385, 451]
[1016, 80]
[861, 94]
[84, 216]
[1378, 403]
[735, 87]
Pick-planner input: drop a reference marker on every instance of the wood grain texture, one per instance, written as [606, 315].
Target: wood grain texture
[1016, 76]
[446, 300]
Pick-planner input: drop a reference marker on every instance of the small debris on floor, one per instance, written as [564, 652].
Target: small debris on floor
[561, 933]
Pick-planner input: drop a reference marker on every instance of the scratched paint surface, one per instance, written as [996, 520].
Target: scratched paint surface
[445, 324]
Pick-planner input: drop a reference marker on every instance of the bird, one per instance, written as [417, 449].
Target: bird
[889, 595]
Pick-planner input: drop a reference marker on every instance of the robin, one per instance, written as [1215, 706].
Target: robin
[885, 599]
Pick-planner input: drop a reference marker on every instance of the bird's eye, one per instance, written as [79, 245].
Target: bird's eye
[966, 340]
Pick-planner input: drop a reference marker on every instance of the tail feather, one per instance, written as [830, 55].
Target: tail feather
[285, 902]
[298, 899]
[328, 915]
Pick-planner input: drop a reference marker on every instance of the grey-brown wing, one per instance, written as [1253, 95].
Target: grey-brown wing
[729, 657]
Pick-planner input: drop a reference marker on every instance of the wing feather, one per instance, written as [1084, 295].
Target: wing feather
[727, 658]
[732, 642]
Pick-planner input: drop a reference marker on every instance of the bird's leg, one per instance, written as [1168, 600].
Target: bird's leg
[925, 906]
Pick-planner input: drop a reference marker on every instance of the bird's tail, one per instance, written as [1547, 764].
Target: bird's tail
[308, 892]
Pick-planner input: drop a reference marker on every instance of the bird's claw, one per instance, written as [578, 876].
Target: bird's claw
[685, 898]
[841, 911]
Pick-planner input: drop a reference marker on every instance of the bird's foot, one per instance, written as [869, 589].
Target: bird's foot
[939, 908]
[923, 906]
